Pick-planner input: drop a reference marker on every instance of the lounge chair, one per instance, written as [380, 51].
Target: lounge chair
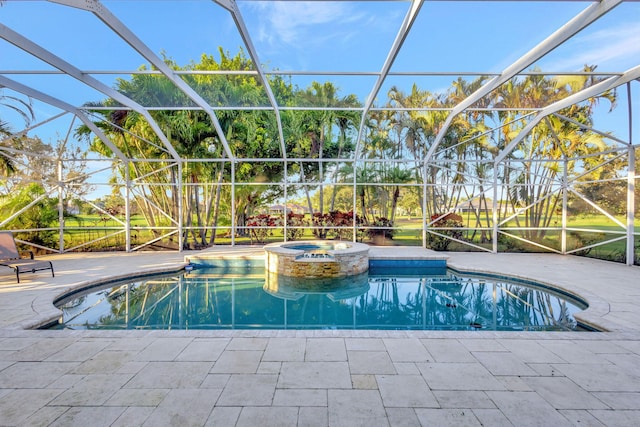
[10, 257]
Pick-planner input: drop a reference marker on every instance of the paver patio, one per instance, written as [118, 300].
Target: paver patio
[336, 378]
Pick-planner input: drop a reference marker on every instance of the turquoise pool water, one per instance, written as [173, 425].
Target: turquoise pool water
[215, 298]
[315, 246]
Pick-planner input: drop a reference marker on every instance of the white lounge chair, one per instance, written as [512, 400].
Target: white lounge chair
[10, 257]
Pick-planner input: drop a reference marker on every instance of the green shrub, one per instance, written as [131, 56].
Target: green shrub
[261, 226]
[450, 225]
[376, 233]
[336, 225]
[295, 220]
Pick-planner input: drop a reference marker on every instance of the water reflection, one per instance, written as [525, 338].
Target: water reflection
[294, 288]
[206, 299]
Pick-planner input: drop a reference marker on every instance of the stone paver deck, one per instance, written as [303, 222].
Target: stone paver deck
[321, 378]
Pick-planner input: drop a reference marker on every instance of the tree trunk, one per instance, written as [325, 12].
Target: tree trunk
[394, 203]
[216, 214]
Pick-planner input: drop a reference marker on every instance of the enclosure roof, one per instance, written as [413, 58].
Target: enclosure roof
[64, 54]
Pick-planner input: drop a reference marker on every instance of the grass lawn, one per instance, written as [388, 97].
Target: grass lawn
[86, 228]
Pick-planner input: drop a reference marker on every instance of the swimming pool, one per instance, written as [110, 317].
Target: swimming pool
[214, 298]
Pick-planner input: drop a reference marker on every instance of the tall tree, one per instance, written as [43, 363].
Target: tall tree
[23, 109]
[250, 133]
[536, 183]
[323, 132]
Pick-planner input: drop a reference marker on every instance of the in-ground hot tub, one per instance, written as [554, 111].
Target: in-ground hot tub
[317, 258]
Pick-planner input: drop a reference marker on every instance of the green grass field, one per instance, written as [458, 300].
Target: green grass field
[408, 232]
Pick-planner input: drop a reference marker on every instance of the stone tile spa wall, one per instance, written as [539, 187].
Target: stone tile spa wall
[348, 259]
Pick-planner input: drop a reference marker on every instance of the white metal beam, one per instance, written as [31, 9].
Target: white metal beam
[580, 21]
[232, 7]
[117, 26]
[35, 94]
[580, 96]
[409, 19]
[62, 65]
[631, 190]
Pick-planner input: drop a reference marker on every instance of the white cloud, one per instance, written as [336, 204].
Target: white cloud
[291, 21]
[610, 48]
[306, 24]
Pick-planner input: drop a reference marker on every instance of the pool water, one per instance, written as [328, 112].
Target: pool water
[316, 246]
[248, 299]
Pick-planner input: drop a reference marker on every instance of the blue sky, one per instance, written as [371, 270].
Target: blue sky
[318, 36]
[326, 36]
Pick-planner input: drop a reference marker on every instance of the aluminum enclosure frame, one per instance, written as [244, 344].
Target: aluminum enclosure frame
[501, 223]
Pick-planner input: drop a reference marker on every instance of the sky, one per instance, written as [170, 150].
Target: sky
[318, 37]
[322, 36]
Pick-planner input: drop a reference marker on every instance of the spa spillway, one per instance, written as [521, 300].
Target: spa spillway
[317, 259]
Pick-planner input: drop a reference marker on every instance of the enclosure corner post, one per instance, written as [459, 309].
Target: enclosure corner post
[494, 208]
[180, 204]
[127, 206]
[424, 206]
[565, 200]
[631, 184]
[631, 188]
[233, 202]
[60, 207]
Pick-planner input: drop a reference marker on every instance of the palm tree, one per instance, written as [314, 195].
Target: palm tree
[415, 130]
[536, 190]
[193, 136]
[318, 125]
[345, 120]
[25, 110]
[471, 144]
